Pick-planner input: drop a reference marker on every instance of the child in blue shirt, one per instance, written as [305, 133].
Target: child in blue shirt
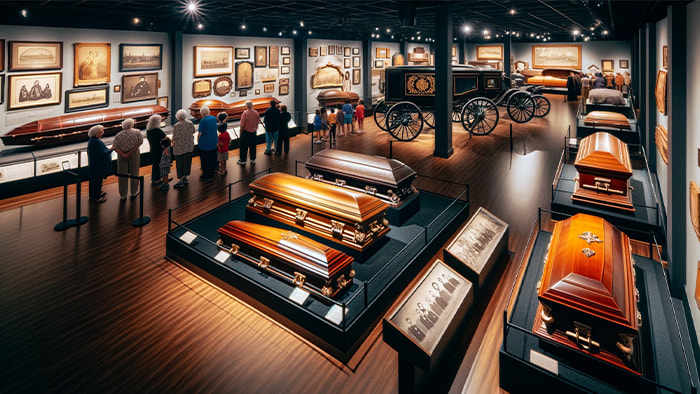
[317, 126]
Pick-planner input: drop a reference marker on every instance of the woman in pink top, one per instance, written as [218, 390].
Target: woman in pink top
[360, 116]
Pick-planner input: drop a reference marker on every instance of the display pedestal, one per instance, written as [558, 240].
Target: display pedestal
[627, 136]
[399, 216]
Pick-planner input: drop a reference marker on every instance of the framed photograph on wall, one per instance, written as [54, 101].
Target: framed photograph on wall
[212, 60]
[284, 90]
[91, 63]
[356, 51]
[338, 49]
[381, 53]
[454, 51]
[347, 51]
[140, 57]
[284, 70]
[356, 76]
[243, 93]
[2, 56]
[286, 60]
[260, 56]
[347, 62]
[608, 65]
[244, 74]
[242, 53]
[82, 99]
[33, 90]
[565, 55]
[324, 51]
[268, 87]
[162, 101]
[379, 64]
[33, 55]
[274, 56]
[488, 52]
[313, 51]
[284, 81]
[139, 87]
[624, 63]
[356, 61]
[201, 88]
[2, 89]
[331, 49]
[117, 88]
[285, 50]
[660, 91]
[665, 57]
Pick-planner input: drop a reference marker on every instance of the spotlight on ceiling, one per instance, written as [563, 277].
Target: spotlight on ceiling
[243, 26]
[485, 32]
[279, 34]
[191, 7]
[466, 28]
[392, 36]
[586, 38]
[294, 32]
[605, 32]
[591, 28]
[310, 32]
[200, 26]
[512, 11]
[136, 21]
[301, 23]
[388, 31]
[576, 32]
[24, 13]
[265, 28]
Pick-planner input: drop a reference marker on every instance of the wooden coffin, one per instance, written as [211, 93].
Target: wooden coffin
[74, 127]
[588, 298]
[332, 98]
[387, 179]
[346, 217]
[562, 73]
[546, 80]
[607, 119]
[290, 256]
[604, 170]
[233, 110]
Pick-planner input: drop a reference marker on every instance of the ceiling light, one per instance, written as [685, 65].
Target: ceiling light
[200, 26]
[243, 26]
[488, 37]
[388, 31]
[136, 21]
[24, 12]
[517, 34]
[372, 35]
[605, 32]
[376, 29]
[591, 28]
[418, 33]
[264, 28]
[419, 38]
[294, 32]
[413, 38]
[576, 32]
[301, 23]
[454, 38]
[310, 32]
[512, 11]
[466, 28]
[392, 36]
[586, 38]
[485, 32]
[532, 34]
[191, 7]
[279, 34]
[377, 36]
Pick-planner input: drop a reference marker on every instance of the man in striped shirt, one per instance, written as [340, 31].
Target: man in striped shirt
[249, 127]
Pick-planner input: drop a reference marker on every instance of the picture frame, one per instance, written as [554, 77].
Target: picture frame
[324, 51]
[660, 91]
[556, 55]
[313, 51]
[284, 81]
[607, 65]
[347, 51]
[380, 53]
[268, 88]
[488, 52]
[378, 63]
[286, 60]
[117, 88]
[2, 56]
[356, 51]
[244, 74]
[661, 137]
[283, 90]
[356, 61]
[162, 101]
[260, 56]
[242, 53]
[274, 60]
[284, 70]
[694, 202]
[243, 93]
[32, 55]
[211, 60]
[285, 50]
[267, 75]
[624, 63]
[347, 62]
[201, 88]
[91, 97]
[222, 85]
[139, 87]
[339, 50]
[140, 57]
[664, 58]
[91, 63]
[331, 50]
[44, 89]
[356, 76]
[454, 51]
[2, 89]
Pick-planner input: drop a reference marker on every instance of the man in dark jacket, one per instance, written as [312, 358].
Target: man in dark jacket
[272, 126]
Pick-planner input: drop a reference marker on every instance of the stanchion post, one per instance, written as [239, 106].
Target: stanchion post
[511, 138]
[141, 220]
[391, 149]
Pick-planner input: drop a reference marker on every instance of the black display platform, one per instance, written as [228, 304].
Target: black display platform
[626, 136]
[638, 224]
[378, 280]
[569, 370]
[399, 216]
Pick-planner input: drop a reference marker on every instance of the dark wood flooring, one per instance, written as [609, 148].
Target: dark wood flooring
[98, 308]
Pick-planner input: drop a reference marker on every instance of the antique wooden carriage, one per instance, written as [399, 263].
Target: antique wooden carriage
[588, 297]
[604, 170]
[410, 99]
[290, 256]
[387, 179]
[348, 218]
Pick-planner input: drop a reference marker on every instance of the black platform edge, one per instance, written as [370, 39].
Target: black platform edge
[626, 136]
[312, 327]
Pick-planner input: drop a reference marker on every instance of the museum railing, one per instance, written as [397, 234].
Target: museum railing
[517, 338]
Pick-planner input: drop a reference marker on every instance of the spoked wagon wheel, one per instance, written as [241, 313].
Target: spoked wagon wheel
[521, 107]
[404, 120]
[456, 114]
[480, 116]
[541, 105]
[380, 115]
[429, 118]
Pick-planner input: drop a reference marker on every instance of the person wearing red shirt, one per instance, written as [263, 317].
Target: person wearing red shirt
[360, 116]
[223, 143]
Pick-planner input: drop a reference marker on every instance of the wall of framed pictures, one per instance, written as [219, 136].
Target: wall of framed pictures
[49, 72]
[385, 52]
[347, 55]
[237, 68]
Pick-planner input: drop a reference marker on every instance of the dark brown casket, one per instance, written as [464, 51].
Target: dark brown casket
[233, 110]
[588, 298]
[604, 170]
[74, 127]
[290, 256]
[349, 218]
[387, 179]
[331, 98]
[607, 119]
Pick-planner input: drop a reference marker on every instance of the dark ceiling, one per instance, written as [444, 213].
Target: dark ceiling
[349, 19]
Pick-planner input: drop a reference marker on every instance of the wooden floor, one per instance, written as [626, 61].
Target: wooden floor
[98, 308]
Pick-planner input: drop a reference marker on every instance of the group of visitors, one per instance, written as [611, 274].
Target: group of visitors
[341, 122]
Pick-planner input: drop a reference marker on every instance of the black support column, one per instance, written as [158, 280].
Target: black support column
[677, 124]
[646, 91]
[301, 86]
[367, 72]
[175, 38]
[506, 57]
[462, 50]
[443, 80]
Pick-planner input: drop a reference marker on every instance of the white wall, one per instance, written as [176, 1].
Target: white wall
[315, 62]
[11, 119]
[661, 167]
[394, 47]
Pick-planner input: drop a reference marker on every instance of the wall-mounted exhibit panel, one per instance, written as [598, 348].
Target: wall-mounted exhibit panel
[330, 66]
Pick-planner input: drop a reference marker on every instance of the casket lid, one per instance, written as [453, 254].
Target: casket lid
[288, 246]
[589, 268]
[371, 169]
[335, 93]
[607, 118]
[332, 200]
[605, 152]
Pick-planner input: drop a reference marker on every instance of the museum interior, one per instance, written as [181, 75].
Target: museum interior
[448, 196]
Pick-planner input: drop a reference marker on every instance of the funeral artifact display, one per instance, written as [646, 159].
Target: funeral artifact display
[74, 127]
[387, 179]
[233, 110]
[606, 96]
[348, 218]
[604, 171]
[333, 97]
[553, 77]
[290, 256]
[607, 119]
[587, 294]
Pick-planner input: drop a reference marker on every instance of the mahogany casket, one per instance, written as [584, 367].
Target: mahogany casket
[588, 298]
[387, 179]
[333, 97]
[290, 256]
[604, 170]
[233, 110]
[346, 217]
[607, 119]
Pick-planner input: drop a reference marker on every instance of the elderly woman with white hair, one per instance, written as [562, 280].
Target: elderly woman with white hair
[183, 145]
[99, 161]
[126, 144]
[154, 135]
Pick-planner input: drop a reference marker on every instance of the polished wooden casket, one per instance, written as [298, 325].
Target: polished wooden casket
[74, 127]
[607, 119]
[334, 97]
[290, 256]
[233, 110]
[346, 217]
[588, 297]
[387, 179]
[604, 170]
